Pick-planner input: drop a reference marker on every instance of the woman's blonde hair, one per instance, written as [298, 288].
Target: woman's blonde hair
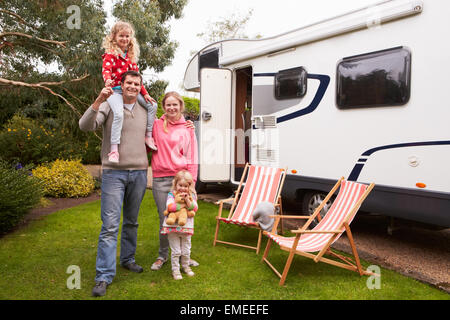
[177, 96]
[186, 176]
[110, 45]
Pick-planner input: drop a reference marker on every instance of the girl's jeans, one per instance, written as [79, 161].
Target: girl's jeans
[161, 187]
[115, 102]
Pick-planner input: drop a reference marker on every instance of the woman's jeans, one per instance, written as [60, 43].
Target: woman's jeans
[119, 187]
[161, 188]
[115, 102]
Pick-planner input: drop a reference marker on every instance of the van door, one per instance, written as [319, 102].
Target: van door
[215, 125]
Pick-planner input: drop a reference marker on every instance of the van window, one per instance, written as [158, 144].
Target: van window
[290, 83]
[209, 59]
[374, 79]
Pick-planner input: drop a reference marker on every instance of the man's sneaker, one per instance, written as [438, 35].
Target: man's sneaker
[177, 275]
[113, 156]
[132, 266]
[99, 289]
[150, 143]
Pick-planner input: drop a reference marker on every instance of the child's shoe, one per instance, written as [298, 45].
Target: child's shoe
[150, 143]
[193, 263]
[113, 156]
[188, 271]
[177, 275]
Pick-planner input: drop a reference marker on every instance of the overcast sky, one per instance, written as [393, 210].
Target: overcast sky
[269, 18]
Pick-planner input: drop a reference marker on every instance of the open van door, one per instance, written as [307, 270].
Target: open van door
[215, 125]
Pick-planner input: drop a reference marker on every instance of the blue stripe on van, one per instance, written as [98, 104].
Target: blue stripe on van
[324, 82]
[354, 175]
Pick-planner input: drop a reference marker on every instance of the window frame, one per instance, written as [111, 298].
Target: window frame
[303, 75]
[371, 55]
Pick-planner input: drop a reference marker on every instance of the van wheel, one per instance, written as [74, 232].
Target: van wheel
[200, 186]
[311, 201]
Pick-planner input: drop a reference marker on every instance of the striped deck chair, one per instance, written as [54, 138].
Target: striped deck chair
[263, 184]
[326, 232]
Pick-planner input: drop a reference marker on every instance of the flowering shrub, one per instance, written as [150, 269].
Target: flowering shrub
[65, 179]
[24, 140]
[19, 192]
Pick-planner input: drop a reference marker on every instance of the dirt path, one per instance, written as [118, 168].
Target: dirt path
[59, 204]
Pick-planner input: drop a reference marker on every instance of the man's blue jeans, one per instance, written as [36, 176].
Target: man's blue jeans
[119, 187]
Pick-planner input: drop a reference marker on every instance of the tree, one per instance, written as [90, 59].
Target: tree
[227, 28]
[54, 46]
[41, 49]
[149, 19]
[50, 54]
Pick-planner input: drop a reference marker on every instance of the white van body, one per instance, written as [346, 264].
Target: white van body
[321, 133]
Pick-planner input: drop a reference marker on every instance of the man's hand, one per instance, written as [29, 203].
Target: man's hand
[104, 94]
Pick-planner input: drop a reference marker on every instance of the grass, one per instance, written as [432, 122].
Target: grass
[34, 262]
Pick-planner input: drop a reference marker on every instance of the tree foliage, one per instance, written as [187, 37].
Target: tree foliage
[149, 20]
[232, 27]
[50, 53]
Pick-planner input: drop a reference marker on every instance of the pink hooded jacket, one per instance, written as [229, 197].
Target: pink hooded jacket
[177, 149]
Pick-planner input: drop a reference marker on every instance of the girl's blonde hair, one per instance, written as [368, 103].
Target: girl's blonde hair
[186, 176]
[110, 45]
[177, 96]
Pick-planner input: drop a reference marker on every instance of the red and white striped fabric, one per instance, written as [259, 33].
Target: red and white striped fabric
[262, 185]
[349, 193]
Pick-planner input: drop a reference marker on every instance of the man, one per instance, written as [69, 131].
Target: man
[122, 183]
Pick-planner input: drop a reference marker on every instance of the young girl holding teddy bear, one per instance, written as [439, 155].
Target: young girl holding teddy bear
[179, 222]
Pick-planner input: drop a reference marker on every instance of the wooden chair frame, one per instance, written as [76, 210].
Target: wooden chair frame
[235, 200]
[346, 263]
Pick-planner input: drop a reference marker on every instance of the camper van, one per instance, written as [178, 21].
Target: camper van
[362, 95]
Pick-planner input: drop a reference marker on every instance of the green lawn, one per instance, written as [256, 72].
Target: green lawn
[34, 262]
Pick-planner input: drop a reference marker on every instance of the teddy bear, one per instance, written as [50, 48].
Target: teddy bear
[180, 215]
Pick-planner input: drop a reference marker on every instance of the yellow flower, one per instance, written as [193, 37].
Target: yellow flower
[9, 129]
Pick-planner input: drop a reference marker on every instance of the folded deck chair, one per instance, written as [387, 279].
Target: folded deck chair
[326, 232]
[262, 184]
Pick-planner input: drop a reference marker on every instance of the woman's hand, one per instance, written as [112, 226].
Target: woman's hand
[109, 83]
[189, 124]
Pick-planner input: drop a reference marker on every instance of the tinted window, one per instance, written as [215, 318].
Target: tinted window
[290, 84]
[374, 79]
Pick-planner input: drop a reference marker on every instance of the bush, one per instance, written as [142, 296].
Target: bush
[19, 192]
[25, 140]
[65, 179]
[192, 108]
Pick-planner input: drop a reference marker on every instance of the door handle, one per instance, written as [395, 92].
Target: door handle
[206, 116]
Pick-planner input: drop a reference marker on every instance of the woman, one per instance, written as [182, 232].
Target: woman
[177, 150]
